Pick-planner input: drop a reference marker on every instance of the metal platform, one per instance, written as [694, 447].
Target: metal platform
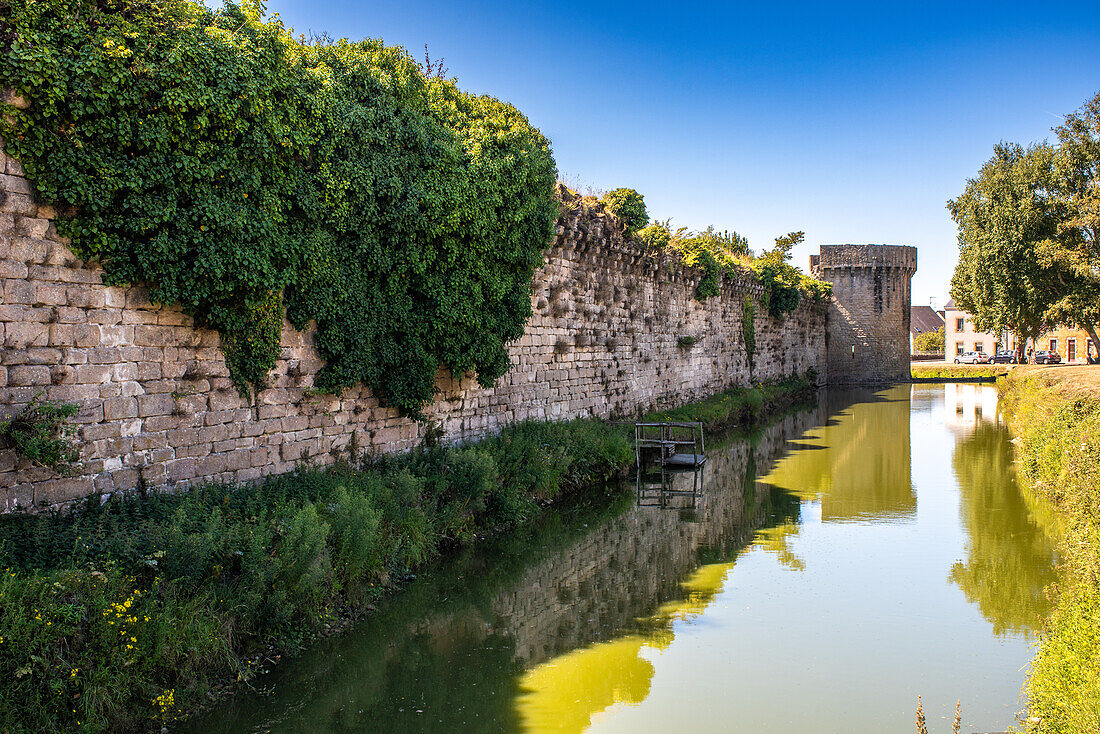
[671, 444]
[686, 460]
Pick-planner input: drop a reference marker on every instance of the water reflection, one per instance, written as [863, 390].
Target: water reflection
[968, 405]
[701, 600]
[589, 587]
[855, 468]
[1009, 560]
[858, 464]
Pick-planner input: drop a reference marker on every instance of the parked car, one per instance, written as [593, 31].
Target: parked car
[1042, 357]
[1004, 358]
[972, 358]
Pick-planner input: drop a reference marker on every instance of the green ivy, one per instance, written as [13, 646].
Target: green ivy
[239, 172]
[748, 328]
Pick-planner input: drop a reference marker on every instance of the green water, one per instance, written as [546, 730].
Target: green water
[818, 578]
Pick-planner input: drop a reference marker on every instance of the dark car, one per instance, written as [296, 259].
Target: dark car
[1042, 357]
[1004, 358]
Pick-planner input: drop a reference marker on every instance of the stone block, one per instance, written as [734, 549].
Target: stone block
[33, 227]
[180, 469]
[154, 405]
[24, 335]
[119, 408]
[18, 204]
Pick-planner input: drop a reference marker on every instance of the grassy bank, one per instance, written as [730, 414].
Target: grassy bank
[941, 372]
[1055, 416]
[121, 616]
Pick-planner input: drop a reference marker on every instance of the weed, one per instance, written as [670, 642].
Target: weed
[41, 432]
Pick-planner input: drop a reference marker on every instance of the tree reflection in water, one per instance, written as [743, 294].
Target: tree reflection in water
[1009, 558]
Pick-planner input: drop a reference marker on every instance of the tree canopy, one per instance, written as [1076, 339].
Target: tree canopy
[1003, 216]
[1029, 233]
[629, 206]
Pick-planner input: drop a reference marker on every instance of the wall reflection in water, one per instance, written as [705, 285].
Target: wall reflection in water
[588, 587]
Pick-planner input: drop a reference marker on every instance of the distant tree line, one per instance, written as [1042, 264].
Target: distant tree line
[1029, 222]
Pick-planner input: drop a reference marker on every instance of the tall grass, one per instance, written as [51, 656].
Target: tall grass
[1055, 416]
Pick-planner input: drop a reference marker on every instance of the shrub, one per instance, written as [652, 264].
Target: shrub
[356, 534]
[41, 433]
[629, 206]
[656, 235]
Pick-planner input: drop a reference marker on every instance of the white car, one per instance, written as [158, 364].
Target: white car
[972, 358]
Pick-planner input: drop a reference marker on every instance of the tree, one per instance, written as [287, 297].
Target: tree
[1005, 216]
[629, 206]
[931, 342]
[1075, 251]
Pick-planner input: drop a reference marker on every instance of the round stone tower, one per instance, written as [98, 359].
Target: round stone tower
[867, 325]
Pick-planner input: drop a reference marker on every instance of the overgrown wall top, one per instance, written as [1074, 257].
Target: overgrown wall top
[615, 330]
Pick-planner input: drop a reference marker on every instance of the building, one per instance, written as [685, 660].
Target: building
[922, 320]
[960, 335]
[1073, 345]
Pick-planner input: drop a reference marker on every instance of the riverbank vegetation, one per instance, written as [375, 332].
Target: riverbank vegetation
[119, 615]
[949, 372]
[1055, 416]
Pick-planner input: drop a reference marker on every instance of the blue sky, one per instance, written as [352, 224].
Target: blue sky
[854, 122]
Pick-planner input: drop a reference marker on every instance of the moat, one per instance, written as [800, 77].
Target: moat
[828, 570]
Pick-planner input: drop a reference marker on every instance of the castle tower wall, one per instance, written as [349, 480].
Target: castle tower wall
[867, 325]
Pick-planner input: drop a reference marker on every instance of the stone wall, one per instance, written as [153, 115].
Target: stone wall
[869, 313]
[606, 338]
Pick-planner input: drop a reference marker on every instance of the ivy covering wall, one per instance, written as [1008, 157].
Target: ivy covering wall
[245, 173]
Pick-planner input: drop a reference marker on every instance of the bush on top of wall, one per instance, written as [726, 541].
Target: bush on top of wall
[241, 172]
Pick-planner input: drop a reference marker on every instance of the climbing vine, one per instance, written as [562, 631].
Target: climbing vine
[244, 173]
[748, 328]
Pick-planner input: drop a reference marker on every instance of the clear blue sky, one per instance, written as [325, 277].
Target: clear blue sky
[852, 121]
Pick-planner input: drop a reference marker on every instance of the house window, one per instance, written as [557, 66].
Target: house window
[960, 324]
[979, 347]
[960, 347]
[1071, 350]
[1054, 345]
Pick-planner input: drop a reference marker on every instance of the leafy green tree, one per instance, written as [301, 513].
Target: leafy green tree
[1003, 216]
[1075, 252]
[782, 281]
[629, 206]
[930, 341]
